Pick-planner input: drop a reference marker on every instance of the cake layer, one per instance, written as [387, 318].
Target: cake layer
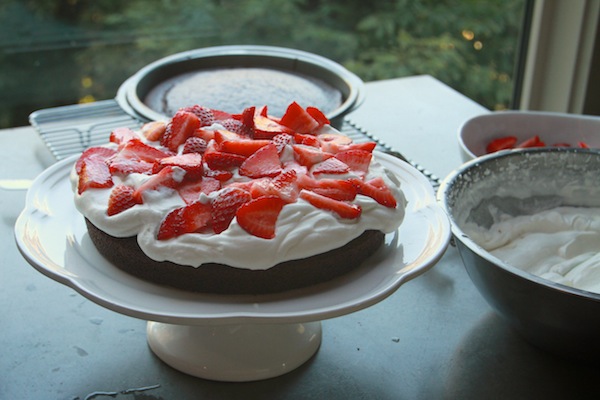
[125, 254]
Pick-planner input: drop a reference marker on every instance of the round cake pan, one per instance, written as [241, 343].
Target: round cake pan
[133, 93]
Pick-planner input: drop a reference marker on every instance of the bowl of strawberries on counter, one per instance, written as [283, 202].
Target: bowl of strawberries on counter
[505, 130]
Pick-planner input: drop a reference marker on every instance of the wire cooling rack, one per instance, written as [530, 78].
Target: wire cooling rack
[69, 130]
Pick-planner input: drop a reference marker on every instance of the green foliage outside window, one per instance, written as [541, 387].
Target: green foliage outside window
[59, 52]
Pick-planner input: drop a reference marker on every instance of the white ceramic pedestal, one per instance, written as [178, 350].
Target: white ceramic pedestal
[235, 353]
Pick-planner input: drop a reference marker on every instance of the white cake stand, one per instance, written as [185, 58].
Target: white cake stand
[217, 337]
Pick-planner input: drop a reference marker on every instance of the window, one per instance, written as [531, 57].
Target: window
[60, 52]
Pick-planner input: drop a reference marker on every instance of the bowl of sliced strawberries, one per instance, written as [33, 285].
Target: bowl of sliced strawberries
[506, 130]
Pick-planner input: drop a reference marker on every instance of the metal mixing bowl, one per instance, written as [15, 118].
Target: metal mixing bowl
[133, 92]
[557, 318]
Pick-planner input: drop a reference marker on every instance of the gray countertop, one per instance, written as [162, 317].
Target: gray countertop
[435, 338]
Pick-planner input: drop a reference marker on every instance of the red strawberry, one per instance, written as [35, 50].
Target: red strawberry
[309, 140]
[122, 135]
[169, 177]
[333, 142]
[331, 166]
[298, 119]
[225, 205]
[187, 219]
[154, 131]
[101, 153]
[357, 160]
[285, 186]
[281, 140]
[129, 165]
[204, 114]
[94, 173]
[194, 145]
[221, 115]
[265, 162]
[308, 155]
[333, 188]
[206, 134]
[259, 216]
[233, 125]
[341, 208]
[190, 191]
[260, 187]
[317, 115]
[120, 199]
[243, 147]
[267, 128]
[191, 163]
[182, 126]
[219, 160]
[218, 174]
[377, 190]
[135, 148]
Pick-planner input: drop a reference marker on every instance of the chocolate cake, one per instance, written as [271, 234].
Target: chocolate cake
[244, 203]
[126, 254]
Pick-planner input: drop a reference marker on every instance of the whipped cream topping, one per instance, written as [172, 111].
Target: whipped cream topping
[561, 244]
[301, 231]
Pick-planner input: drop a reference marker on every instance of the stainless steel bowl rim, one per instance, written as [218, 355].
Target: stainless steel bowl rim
[459, 234]
[132, 104]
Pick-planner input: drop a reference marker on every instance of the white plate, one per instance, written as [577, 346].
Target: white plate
[52, 236]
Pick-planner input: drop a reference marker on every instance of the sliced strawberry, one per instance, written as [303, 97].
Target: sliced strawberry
[298, 119]
[223, 135]
[309, 140]
[120, 199]
[101, 153]
[377, 190]
[333, 142]
[225, 205]
[190, 162]
[245, 147]
[333, 188]
[194, 145]
[122, 135]
[187, 219]
[94, 173]
[206, 134]
[169, 177]
[285, 186]
[533, 141]
[218, 174]
[220, 160]
[135, 148]
[318, 115]
[341, 208]
[331, 166]
[357, 160]
[267, 128]
[260, 187]
[247, 120]
[154, 131]
[265, 162]
[259, 216]
[233, 125]
[120, 165]
[205, 115]
[190, 191]
[182, 126]
[296, 166]
[308, 155]
[281, 140]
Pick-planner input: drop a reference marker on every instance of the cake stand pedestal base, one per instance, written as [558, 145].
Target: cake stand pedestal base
[235, 353]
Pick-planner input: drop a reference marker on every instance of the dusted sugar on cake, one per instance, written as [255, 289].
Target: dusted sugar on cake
[242, 200]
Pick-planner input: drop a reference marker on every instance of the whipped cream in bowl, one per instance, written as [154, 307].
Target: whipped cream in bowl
[527, 226]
